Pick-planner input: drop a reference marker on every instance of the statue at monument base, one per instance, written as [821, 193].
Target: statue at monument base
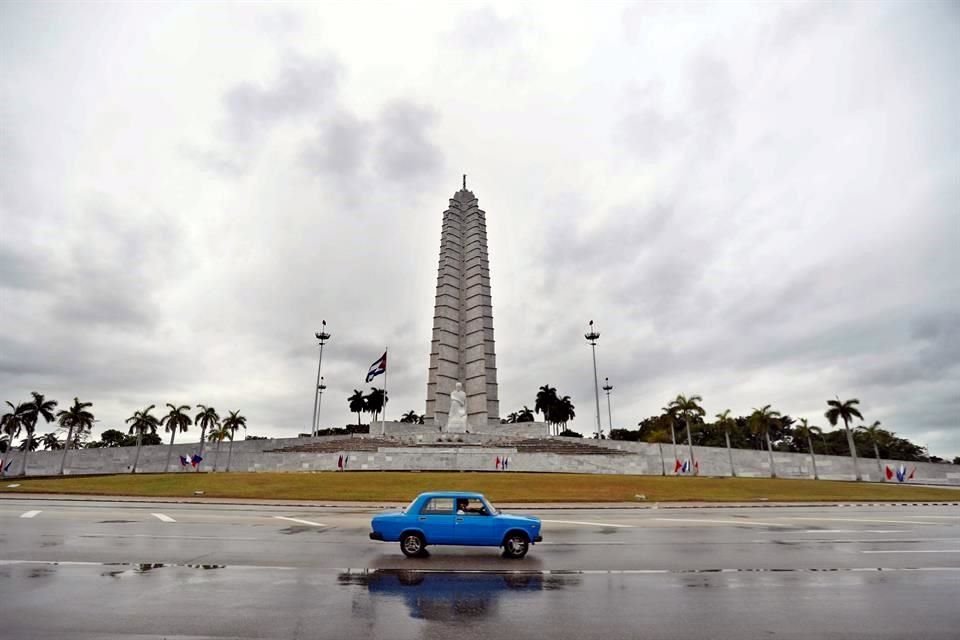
[457, 418]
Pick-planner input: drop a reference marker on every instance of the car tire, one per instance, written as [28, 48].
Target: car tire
[412, 545]
[516, 545]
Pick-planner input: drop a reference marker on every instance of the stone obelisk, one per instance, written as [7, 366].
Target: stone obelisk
[462, 348]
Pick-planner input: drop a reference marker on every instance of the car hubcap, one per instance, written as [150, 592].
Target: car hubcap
[516, 545]
[412, 544]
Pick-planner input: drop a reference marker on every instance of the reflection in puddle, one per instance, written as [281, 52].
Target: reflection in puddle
[450, 595]
[144, 567]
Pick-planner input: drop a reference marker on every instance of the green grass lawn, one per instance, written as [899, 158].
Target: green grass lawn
[504, 487]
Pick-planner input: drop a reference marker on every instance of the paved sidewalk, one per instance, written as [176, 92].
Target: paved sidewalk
[348, 504]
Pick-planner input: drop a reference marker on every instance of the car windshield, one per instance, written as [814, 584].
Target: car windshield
[490, 508]
[409, 506]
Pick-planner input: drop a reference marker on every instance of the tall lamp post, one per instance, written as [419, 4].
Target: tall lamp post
[320, 389]
[592, 336]
[322, 336]
[608, 388]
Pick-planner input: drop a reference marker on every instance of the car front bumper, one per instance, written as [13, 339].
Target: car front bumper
[538, 539]
[376, 535]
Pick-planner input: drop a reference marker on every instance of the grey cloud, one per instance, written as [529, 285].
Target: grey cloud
[483, 28]
[341, 147]
[301, 88]
[22, 270]
[404, 148]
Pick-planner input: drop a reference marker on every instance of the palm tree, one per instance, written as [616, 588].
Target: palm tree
[231, 423]
[875, 433]
[806, 431]
[206, 418]
[565, 411]
[724, 421]
[174, 420]
[546, 403]
[688, 408]
[50, 442]
[410, 417]
[845, 411]
[660, 437]
[358, 404]
[525, 414]
[142, 422]
[670, 416]
[29, 444]
[76, 417]
[35, 409]
[11, 424]
[375, 401]
[760, 423]
[217, 434]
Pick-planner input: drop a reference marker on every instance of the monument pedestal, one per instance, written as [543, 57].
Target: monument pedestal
[491, 432]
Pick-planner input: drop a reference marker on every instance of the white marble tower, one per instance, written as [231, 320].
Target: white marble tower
[462, 348]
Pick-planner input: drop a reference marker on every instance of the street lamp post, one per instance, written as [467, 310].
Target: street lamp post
[320, 389]
[608, 388]
[592, 336]
[322, 336]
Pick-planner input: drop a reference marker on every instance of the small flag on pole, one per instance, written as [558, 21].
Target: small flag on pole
[912, 471]
[889, 473]
[677, 466]
[183, 461]
[378, 367]
[195, 460]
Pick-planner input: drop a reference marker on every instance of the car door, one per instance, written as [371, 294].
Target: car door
[436, 519]
[475, 526]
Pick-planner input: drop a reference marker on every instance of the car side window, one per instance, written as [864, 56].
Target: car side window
[473, 507]
[438, 506]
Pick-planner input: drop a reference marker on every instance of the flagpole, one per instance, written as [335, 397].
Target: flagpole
[383, 413]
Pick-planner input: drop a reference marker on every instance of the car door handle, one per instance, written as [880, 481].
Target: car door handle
[459, 519]
[422, 518]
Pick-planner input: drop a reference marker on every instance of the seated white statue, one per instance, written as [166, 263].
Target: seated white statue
[457, 418]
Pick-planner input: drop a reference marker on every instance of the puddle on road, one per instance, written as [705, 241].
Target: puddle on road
[454, 595]
[143, 567]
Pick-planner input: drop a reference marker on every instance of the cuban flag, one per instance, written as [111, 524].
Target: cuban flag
[889, 472]
[677, 465]
[195, 460]
[378, 367]
[183, 461]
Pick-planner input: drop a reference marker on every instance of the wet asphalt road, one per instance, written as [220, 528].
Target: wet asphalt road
[149, 570]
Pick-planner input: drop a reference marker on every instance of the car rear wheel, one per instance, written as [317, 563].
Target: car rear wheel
[412, 545]
[516, 546]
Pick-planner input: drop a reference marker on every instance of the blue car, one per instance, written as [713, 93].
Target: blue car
[458, 518]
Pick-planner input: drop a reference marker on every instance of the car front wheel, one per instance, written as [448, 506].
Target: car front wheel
[516, 546]
[412, 545]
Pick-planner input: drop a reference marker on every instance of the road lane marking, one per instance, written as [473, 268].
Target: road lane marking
[942, 517]
[734, 522]
[856, 520]
[30, 514]
[162, 517]
[312, 524]
[862, 541]
[591, 524]
[915, 551]
[152, 537]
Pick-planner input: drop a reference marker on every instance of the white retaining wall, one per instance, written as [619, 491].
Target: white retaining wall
[468, 455]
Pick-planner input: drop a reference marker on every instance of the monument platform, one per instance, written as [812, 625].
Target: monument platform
[489, 431]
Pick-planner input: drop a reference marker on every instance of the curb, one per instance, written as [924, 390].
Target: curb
[506, 505]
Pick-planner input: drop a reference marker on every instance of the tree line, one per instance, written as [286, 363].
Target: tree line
[766, 428]
[78, 421]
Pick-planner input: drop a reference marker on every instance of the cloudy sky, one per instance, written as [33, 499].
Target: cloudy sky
[757, 203]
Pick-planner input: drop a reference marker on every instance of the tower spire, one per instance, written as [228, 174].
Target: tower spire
[464, 182]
